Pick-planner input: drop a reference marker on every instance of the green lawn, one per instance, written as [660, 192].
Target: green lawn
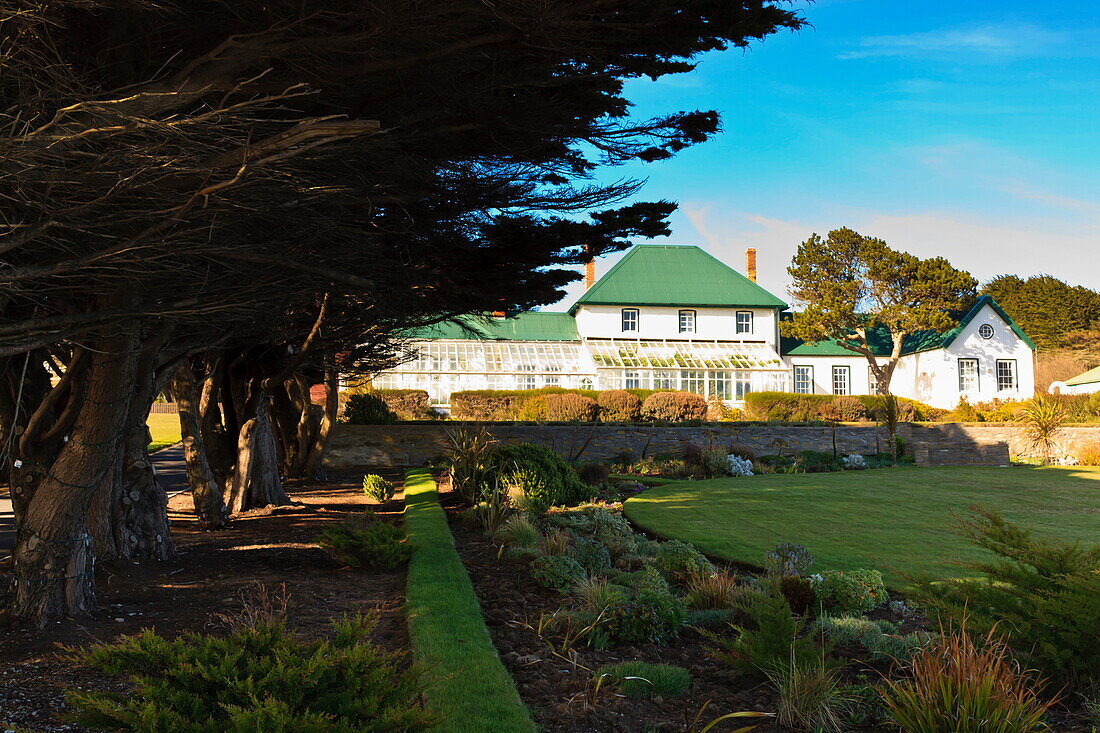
[165, 430]
[897, 520]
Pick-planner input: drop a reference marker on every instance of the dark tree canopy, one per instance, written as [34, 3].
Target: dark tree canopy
[1054, 314]
[848, 284]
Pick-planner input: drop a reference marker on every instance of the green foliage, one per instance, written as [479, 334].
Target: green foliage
[798, 591]
[965, 412]
[558, 572]
[591, 555]
[377, 488]
[849, 284]
[597, 594]
[678, 560]
[674, 407]
[711, 591]
[555, 482]
[790, 407]
[708, 618]
[878, 638]
[519, 531]
[571, 407]
[368, 408]
[788, 558]
[964, 686]
[594, 473]
[773, 637]
[1042, 420]
[851, 592]
[810, 696]
[618, 405]
[649, 617]
[1042, 594]
[470, 460]
[643, 681]
[1046, 308]
[381, 545]
[407, 404]
[258, 678]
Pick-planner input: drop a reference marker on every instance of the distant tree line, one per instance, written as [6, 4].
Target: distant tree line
[1056, 315]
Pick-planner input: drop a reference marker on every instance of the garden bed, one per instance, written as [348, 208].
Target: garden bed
[186, 594]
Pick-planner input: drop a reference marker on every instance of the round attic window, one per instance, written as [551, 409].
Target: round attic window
[985, 331]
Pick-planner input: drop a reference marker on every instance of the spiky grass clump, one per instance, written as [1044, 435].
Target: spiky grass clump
[965, 686]
[597, 594]
[643, 681]
[712, 591]
[519, 531]
[810, 695]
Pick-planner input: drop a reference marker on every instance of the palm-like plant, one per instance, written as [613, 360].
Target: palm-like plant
[889, 416]
[1042, 420]
[469, 453]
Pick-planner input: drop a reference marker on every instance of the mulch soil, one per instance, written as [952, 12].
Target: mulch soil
[189, 592]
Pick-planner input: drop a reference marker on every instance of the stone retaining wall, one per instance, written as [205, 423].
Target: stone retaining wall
[411, 444]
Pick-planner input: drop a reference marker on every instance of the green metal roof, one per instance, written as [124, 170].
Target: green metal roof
[881, 343]
[675, 275]
[528, 326]
[1092, 376]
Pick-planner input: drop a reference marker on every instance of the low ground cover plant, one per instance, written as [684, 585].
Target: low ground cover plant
[641, 680]
[259, 677]
[379, 545]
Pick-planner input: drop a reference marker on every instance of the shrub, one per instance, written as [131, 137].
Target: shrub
[674, 407]
[642, 681]
[738, 466]
[381, 545]
[1042, 421]
[773, 637]
[798, 592]
[407, 404]
[260, 677]
[502, 404]
[618, 405]
[571, 408]
[787, 558]
[678, 560]
[1042, 594]
[708, 618]
[377, 488]
[367, 408]
[594, 473]
[597, 594]
[965, 412]
[470, 457]
[519, 531]
[711, 591]
[650, 616]
[876, 637]
[810, 696]
[813, 461]
[958, 684]
[533, 409]
[1088, 455]
[784, 406]
[719, 411]
[711, 462]
[558, 484]
[849, 409]
[555, 543]
[558, 572]
[850, 592]
[591, 555]
[853, 462]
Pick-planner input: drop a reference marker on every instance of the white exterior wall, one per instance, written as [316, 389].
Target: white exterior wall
[1074, 389]
[711, 324]
[932, 376]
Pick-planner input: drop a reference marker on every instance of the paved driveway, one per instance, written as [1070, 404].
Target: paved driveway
[171, 473]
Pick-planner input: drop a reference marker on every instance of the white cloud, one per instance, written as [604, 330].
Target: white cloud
[995, 42]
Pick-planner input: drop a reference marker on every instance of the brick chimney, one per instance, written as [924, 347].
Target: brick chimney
[589, 268]
[750, 264]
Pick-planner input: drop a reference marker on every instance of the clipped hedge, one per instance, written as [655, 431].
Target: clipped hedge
[407, 404]
[571, 407]
[674, 407]
[465, 680]
[791, 407]
[535, 404]
[501, 404]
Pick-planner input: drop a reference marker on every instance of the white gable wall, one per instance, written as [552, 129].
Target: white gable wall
[660, 322]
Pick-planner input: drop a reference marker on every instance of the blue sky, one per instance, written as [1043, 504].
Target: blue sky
[962, 129]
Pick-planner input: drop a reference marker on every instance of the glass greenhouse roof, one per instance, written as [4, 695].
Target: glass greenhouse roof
[495, 357]
[609, 353]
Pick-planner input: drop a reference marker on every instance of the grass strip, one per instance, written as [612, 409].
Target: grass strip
[466, 681]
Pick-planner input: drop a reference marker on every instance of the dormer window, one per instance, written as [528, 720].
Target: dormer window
[744, 322]
[687, 321]
[630, 320]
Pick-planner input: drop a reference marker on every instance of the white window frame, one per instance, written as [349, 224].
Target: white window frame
[694, 380]
[687, 321]
[808, 371]
[742, 384]
[720, 385]
[872, 381]
[745, 327]
[969, 381]
[665, 379]
[631, 320]
[1012, 384]
[846, 371]
[632, 379]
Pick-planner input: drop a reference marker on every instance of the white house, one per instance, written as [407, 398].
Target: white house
[675, 317]
[1085, 383]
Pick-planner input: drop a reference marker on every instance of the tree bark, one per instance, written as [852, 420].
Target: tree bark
[332, 409]
[256, 481]
[53, 559]
[206, 490]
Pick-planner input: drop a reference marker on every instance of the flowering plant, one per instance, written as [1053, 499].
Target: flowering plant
[739, 466]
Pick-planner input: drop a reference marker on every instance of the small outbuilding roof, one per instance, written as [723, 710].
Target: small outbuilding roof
[675, 275]
[1092, 376]
[526, 326]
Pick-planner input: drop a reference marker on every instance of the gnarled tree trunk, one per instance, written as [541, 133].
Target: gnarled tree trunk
[206, 490]
[256, 480]
[53, 559]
